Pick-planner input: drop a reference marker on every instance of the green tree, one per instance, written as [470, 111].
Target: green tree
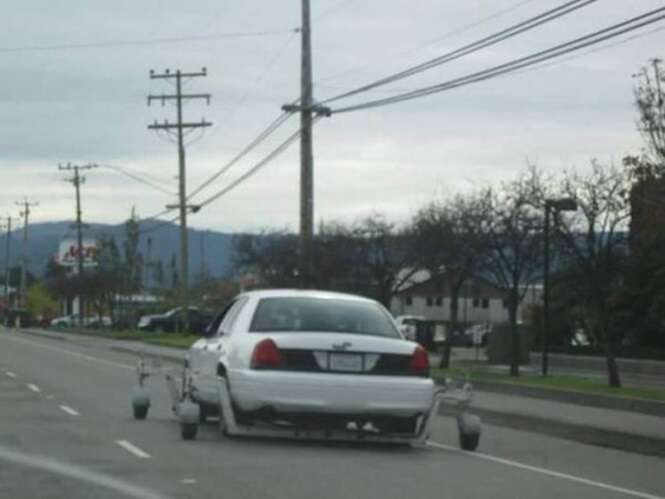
[40, 301]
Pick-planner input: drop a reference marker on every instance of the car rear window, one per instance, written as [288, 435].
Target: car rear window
[306, 314]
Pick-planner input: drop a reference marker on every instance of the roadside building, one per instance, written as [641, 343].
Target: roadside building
[480, 301]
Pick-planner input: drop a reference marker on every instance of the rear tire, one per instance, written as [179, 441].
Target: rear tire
[140, 411]
[469, 441]
[188, 430]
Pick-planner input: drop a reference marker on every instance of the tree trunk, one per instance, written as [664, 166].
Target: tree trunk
[610, 357]
[514, 334]
[612, 368]
[447, 347]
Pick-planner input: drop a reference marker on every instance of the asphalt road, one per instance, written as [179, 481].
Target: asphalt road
[66, 431]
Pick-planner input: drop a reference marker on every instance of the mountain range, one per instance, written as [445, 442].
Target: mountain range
[158, 241]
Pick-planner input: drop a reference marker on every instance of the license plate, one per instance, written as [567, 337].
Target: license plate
[346, 362]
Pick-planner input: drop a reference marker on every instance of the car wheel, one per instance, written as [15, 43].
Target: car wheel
[469, 441]
[188, 430]
[140, 411]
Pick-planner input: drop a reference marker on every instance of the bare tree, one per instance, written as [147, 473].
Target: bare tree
[386, 255]
[512, 239]
[449, 242]
[594, 240]
[273, 255]
[650, 102]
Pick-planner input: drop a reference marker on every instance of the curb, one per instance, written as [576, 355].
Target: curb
[614, 439]
[32, 332]
[634, 405]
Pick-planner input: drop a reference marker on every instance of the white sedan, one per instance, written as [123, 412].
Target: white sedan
[312, 360]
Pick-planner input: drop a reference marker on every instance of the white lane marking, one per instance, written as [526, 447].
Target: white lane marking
[131, 448]
[11, 374]
[188, 481]
[544, 471]
[74, 472]
[74, 354]
[69, 410]
[33, 388]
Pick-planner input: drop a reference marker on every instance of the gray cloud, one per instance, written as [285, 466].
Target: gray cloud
[89, 104]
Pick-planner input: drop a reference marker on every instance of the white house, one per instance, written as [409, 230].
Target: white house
[479, 301]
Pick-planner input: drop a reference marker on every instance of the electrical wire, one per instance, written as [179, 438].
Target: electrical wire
[514, 30]
[268, 66]
[587, 52]
[523, 62]
[333, 8]
[258, 166]
[269, 130]
[139, 179]
[147, 41]
[430, 42]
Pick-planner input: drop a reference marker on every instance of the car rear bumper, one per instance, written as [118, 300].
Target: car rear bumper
[330, 393]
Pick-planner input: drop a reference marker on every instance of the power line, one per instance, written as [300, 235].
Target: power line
[587, 52]
[258, 166]
[514, 30]
[147, 41]
[530, 60]
[269, 130]
[474, 24]
[139, 179]
[431, 42]
[268, 66]
[333, 8]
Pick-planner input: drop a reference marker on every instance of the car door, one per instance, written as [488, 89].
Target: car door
[203, 354]
[216, 346]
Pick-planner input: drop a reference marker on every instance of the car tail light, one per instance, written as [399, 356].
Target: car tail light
[266, 355]
[419, 363]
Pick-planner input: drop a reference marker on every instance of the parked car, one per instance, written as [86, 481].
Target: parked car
[407, 325]
[171, 321]
[72, 320]
[98, 321]
[66, 321]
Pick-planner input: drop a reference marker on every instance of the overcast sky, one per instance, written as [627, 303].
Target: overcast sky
[89, 104]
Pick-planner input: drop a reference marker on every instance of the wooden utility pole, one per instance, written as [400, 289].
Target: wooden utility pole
[180, 126]
[306, 152]
[26, 205]
[306, 107]
[76, 181]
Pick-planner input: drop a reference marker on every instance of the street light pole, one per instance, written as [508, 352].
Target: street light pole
[562, 204]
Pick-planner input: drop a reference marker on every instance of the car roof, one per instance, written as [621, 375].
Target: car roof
[299, 293]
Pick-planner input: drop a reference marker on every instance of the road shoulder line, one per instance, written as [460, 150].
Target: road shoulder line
[545, 471]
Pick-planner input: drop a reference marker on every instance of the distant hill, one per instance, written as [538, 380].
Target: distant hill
[44, 239]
